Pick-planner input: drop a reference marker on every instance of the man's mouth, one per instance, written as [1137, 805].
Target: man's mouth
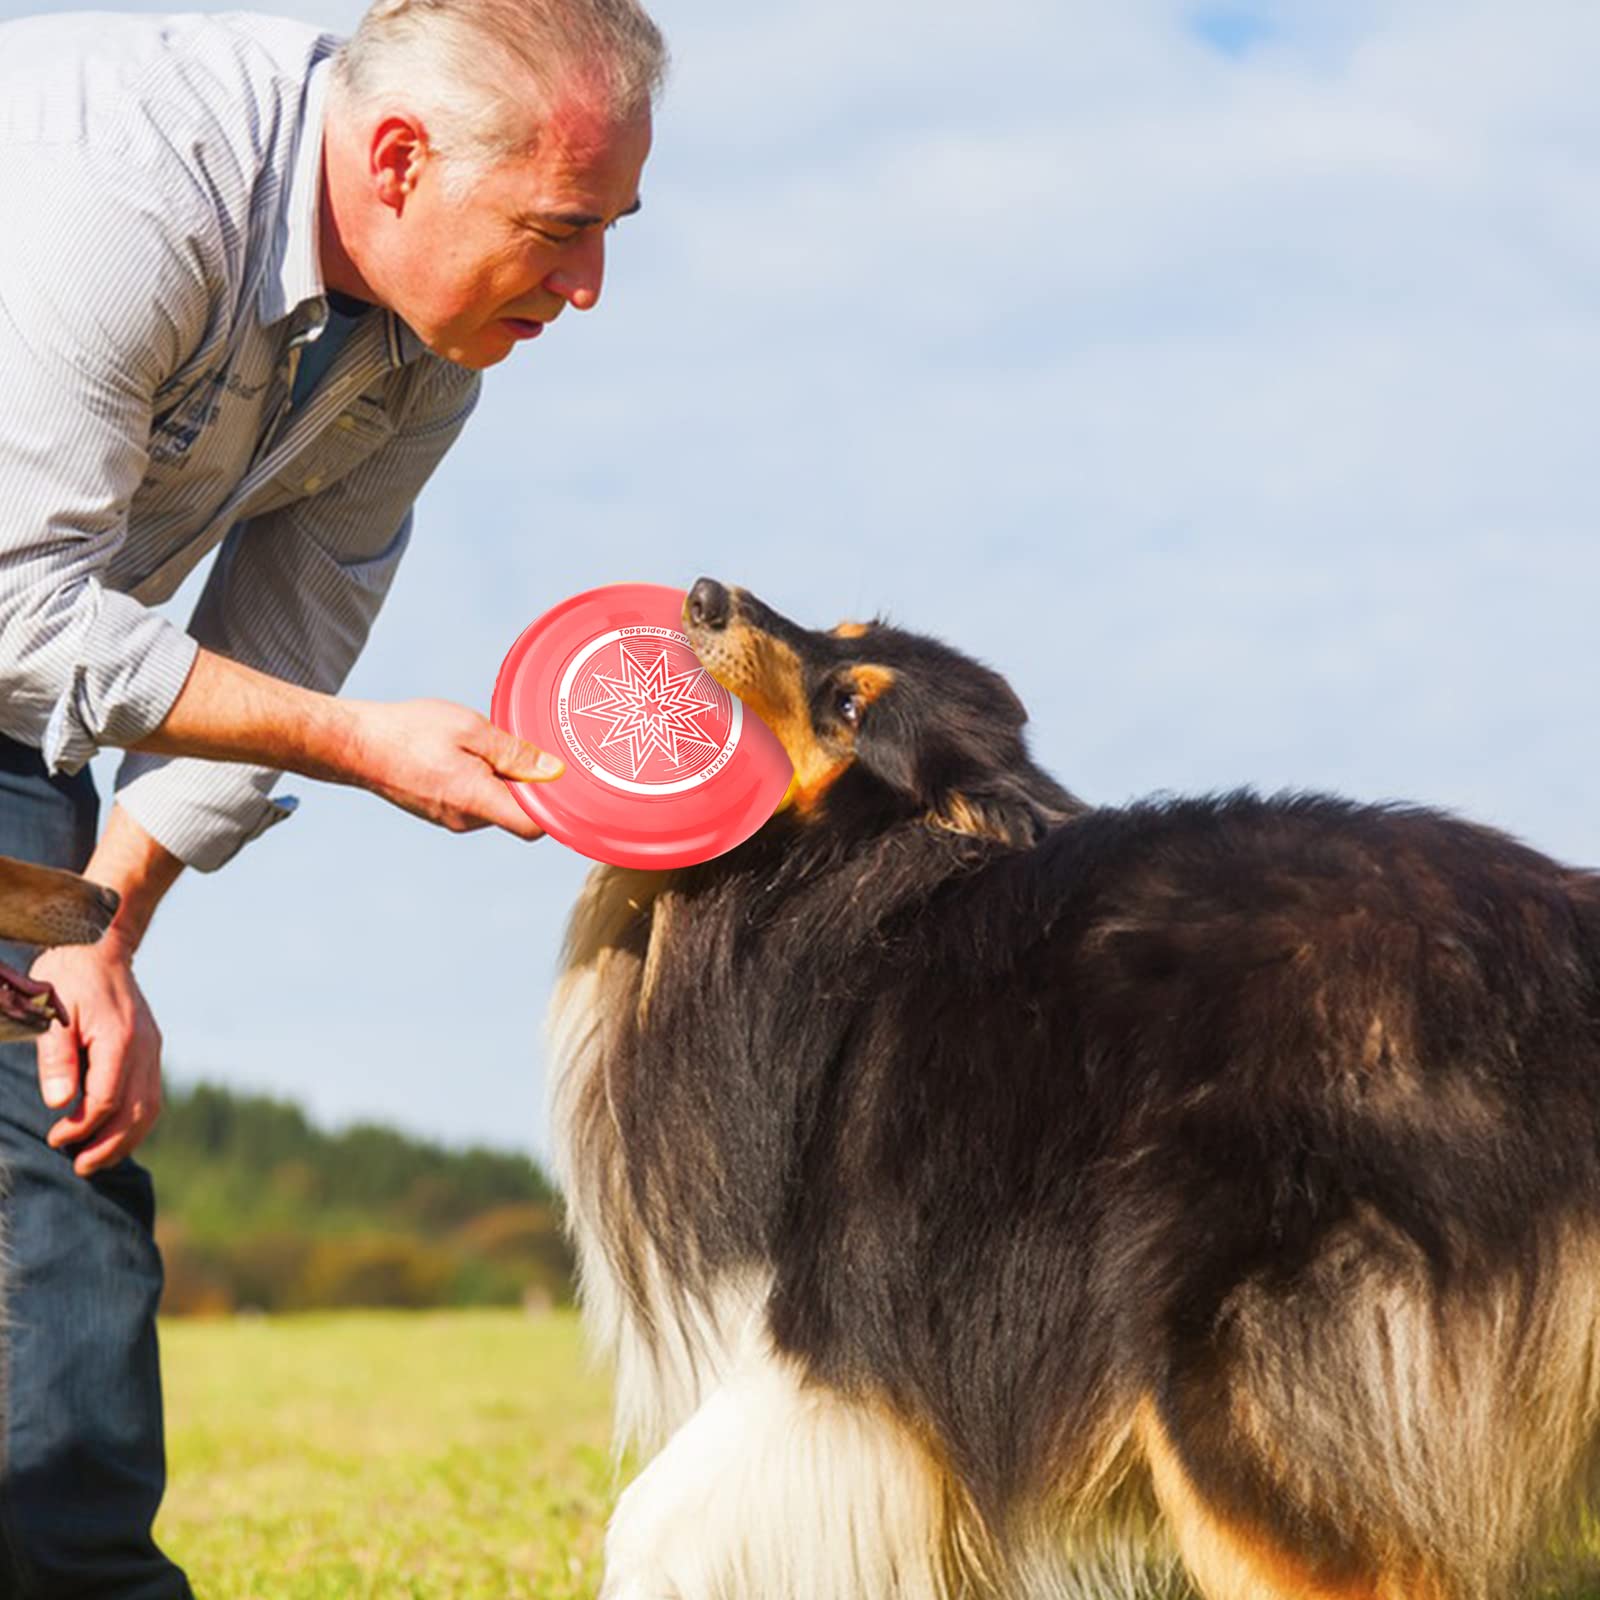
[522, 327]
[28, 1002]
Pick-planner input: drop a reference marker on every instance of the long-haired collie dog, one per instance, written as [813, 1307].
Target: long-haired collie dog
[986, 1195]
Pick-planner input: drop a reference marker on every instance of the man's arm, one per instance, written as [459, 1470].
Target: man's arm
[295, 592]
[101, 294]
[432, 758]
[437, 760]
[291, 597]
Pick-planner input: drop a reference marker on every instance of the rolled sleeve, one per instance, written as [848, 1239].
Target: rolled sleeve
[204, 812]
[294, 594]
[125, 672]
[86, 336]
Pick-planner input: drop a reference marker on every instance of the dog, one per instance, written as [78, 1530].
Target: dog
[982, 1194]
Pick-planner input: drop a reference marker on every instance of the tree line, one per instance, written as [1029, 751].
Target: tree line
[259, 1209]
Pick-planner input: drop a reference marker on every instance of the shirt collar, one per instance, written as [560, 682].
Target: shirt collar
[294, 271]
[293, 277]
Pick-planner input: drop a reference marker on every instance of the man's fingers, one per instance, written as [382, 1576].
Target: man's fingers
[58, 1064]
[515, 758]
[495, 804]
[118, 1138]
[104, 1090]
[97, 1108]
[124, 1132]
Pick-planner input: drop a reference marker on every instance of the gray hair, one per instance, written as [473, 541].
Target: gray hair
[482, 71]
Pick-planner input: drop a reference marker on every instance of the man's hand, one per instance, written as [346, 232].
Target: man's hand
[445, 763]
[109, 1047]
[110, 1026]
[429, 757]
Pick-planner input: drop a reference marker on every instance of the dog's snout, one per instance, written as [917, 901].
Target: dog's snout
[708, 604]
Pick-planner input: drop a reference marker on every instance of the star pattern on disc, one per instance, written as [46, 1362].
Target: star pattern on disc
[650, 708]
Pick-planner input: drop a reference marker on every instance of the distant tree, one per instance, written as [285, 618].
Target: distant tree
[261, 1208]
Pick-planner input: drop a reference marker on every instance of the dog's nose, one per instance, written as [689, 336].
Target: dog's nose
[708, 605]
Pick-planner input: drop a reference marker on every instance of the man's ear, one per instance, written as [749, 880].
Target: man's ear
[398, 154]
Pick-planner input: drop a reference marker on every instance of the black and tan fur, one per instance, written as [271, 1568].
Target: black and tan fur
[987, 1195]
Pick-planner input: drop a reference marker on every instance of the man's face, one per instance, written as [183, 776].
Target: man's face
[475, 274]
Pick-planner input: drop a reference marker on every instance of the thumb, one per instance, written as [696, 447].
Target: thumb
[58, 1064]
[516, 759]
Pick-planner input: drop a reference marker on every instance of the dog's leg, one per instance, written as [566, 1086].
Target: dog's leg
[779, 1490]
[1229, 1560]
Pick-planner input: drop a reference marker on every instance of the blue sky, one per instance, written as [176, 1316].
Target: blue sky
[1234, 30]
[1224, 375]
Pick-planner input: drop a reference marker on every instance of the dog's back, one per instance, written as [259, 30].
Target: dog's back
[1333, 1080]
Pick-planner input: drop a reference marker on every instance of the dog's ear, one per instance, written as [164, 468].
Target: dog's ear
[957, 757]
[887, 748]
[943, 735]
[1003, 808]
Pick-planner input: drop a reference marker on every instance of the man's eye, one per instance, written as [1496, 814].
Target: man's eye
[848, 705]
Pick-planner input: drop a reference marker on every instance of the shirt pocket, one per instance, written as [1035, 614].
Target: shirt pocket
[357, 433]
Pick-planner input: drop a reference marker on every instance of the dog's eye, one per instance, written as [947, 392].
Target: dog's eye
[848, 705]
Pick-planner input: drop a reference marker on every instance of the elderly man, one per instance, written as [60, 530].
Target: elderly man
[247, 278]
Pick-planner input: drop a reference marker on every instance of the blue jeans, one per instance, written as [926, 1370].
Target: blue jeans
[85, 1462]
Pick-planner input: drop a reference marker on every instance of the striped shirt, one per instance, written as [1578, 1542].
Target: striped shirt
[160, 181]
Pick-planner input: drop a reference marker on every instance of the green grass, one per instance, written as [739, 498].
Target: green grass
[417, 1455]
[408, 1455]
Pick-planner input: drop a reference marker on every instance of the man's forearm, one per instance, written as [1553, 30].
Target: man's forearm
[128, 860]
[435, 759]
[229, 712]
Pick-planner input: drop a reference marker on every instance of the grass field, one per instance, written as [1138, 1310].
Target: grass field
[412, 1455]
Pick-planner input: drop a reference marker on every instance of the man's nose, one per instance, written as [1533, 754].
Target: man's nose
[578, 278]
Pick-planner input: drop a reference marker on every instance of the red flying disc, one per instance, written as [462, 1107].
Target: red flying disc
[664, 767]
